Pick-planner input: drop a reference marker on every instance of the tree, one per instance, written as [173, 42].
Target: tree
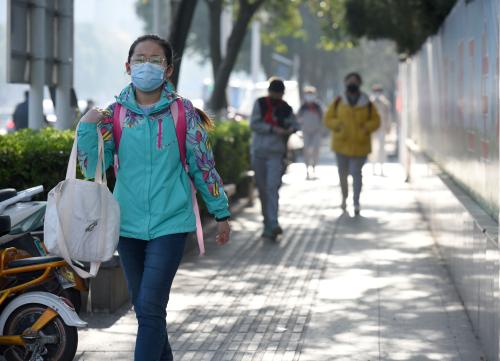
[408, 23]
[215, 8]
[326, 50]
[301, 32]
[245, 10]
[179, 32]
[180, 24]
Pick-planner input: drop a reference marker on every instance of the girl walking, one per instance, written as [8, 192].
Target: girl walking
[153, 185]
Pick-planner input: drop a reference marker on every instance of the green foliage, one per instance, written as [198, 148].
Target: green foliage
[408, 23]
[29, 158]
[330, 15]
[231, 146]
[281, 22]
[144, 9]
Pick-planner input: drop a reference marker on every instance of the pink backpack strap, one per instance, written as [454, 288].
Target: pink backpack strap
[118, 119]
[179, 117]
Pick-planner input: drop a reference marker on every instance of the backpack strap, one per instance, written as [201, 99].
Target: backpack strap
[336, 105]
[179, 117]
[118, 120]
[370, 107]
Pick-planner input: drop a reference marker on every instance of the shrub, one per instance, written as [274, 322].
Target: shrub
[231, 142]
[29, 158]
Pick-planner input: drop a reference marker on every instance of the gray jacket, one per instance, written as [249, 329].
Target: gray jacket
[264, 140]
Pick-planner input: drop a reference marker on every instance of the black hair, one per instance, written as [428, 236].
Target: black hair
[26, 94]
[205, 119]
[356, 75]
[277, 85]
[165, 45]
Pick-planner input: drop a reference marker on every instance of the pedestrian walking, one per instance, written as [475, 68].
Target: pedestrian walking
[272, 122]
[20, 115]
[383, 105]
[90, 105]
[153, 185]
[310, 117]
[352, 118]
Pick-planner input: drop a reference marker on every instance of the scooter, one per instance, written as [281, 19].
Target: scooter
[34, 325]
[26, 234]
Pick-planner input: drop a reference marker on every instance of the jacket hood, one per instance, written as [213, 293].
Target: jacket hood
[362, 101]
[127, 98]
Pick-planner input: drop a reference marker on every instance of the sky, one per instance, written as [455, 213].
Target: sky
[116, 19]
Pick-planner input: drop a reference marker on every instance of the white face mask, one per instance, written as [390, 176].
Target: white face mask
[309, 97]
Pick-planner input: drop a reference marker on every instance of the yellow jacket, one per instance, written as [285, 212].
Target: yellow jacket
[352, 126]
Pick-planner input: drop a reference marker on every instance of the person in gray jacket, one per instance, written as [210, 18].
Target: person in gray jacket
[272, 122]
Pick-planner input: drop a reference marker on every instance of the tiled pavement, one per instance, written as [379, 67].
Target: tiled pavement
[334, 287]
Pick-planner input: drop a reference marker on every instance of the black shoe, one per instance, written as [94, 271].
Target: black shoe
[357, 210]
[277, 231]
[266, 236]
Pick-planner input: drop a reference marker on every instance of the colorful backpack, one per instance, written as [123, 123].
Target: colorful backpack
[179, 117]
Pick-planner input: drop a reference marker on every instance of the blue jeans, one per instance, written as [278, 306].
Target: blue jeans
[268, 174]
[150, 267]
[350, 165]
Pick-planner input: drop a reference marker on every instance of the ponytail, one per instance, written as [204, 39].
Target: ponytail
[205, 119]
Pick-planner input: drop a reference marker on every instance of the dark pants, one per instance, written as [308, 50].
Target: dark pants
[350, 165]
[150, 267]
[268, 174]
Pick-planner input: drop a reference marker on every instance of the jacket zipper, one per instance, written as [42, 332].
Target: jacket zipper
[150, 171]
[160, 131]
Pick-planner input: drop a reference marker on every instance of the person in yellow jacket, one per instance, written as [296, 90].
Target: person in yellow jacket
[352, 118]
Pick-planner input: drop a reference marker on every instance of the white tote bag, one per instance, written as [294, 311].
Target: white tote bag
[82, 219]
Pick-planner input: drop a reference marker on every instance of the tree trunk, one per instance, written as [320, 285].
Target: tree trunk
[179, 31]
[215, 11]
[245, 14]
[302, 75]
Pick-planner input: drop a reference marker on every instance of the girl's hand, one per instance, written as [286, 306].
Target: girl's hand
[223, 232]
[95, 115]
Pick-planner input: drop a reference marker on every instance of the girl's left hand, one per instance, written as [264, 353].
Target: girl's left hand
[223, 232]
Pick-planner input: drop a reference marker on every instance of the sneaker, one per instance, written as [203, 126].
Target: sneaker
[277, 231]
[343, 205]
[266, 234]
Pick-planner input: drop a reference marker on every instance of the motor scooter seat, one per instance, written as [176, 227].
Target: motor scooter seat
[32, 261]
[7, 193]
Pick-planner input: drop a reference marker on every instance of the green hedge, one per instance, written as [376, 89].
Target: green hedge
[231, 146]
[29, 158]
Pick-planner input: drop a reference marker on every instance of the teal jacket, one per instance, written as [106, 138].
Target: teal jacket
[152, 187]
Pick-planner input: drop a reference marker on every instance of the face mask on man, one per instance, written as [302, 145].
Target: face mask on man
[353, 88]
[309, 98]
[147, 77]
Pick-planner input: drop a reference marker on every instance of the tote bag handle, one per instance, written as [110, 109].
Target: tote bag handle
[100, 175]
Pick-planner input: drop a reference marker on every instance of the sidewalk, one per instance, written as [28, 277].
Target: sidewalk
[334, 288]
